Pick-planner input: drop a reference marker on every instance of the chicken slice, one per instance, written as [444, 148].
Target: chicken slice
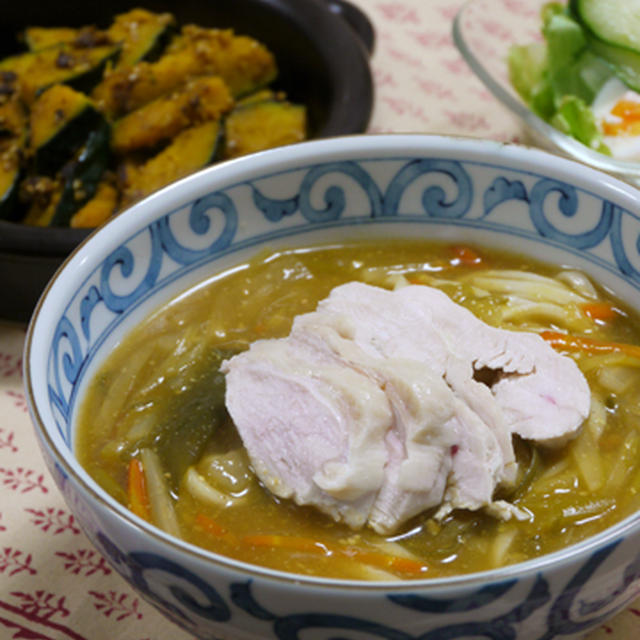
[542, 394]
[374, 408]
[314, 429]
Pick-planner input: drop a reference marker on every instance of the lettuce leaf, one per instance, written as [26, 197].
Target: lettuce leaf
[528, 75]
[560, 77]
[565, 40]
[575, 118]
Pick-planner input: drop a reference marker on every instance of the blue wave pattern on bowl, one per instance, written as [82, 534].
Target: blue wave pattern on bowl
[425, 191]
[566, 613]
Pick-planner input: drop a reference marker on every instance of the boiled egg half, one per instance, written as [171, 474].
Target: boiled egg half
[617, 112]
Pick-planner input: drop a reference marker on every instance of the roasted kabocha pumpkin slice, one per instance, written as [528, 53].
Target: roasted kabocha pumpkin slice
[38, 38]
[143, 35]
[90, 97]
[13, 117]
[190, 150]
[262, 95]
[56, 201]
[10, 173]
[80, 67]
[83, 176]
[61, 120]
[8, 85]
[40, 195]
[256, 126]
[100, 208]
[198, 101]
[13, 135]
[242, 62]
[245, 64]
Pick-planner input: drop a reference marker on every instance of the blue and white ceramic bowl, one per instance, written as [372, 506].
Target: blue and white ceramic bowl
[382, 186]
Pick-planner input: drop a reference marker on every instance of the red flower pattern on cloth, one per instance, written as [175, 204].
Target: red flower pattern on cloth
[7, 441]
[35, 616]
[84, 562]
[448, 10]
[22, 480]
[54, 520]
[399, 12]
[19, 401]
[118, 605]
[53, 584]
[14, 561]
[45, 605]
[10, 365]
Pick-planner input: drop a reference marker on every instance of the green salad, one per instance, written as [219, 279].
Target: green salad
[586, 44]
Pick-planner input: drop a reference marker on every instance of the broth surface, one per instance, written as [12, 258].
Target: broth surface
[159, 397]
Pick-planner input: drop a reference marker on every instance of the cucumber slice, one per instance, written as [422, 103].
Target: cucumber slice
[616, 22]
[613, 33]
[625, 62]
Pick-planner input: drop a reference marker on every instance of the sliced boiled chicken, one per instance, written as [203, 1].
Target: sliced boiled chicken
[373, 409]
[314, 429]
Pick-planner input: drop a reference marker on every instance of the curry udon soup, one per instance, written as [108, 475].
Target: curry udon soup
[154, 432]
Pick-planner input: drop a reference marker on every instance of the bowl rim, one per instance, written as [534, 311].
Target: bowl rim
[350, 111]
[521, 158]
[624, 170]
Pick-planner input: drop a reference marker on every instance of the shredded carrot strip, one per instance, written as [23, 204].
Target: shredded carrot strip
[395, 563]
[599, 311]
[137, 489]
[588, 345]
[308, 545]
[210, 526]
[260, 328]
[466, 255]
[294, 543]
[461, 255]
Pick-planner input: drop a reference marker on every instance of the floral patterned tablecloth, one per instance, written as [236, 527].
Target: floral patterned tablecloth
[53, 584]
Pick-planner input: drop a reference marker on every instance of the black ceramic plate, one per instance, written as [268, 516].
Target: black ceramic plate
[322, 48]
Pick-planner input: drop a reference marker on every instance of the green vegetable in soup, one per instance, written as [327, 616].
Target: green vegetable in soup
[188, 420]
[192, 420]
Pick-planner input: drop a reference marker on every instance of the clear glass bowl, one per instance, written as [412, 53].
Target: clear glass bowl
[483, 31]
